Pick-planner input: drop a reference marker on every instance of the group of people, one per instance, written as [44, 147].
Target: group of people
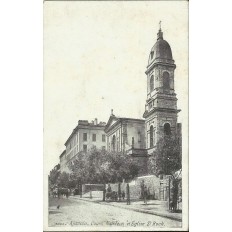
[118, 195]
[60, 192]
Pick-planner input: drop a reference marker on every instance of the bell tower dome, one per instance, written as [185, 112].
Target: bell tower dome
[161, 104]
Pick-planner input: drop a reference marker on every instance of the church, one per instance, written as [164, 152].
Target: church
[135, 137]
[139, 137]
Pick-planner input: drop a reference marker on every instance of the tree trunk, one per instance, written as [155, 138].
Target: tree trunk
[104, 193]
[80, 190]
[119, 191]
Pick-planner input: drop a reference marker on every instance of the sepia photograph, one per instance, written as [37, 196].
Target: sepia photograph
[115, 116]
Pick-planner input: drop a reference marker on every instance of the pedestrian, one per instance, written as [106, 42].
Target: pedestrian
[145, 194]
[142, 189]
[109, 188]
[69, 193]
[123, 194]
[128, 194]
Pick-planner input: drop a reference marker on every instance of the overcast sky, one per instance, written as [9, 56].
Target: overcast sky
[95, 56]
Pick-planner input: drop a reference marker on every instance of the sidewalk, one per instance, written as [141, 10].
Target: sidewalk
[154, 207]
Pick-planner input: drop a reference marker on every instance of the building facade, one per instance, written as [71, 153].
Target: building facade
[63, 161]
[85, 136]
[125, 133]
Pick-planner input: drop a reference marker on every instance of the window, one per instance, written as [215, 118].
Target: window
[167, 129]
[103, 138]
[85, 136]
[94, 137]
[139, 137]
[151, 136]
[85, 148]
[152, 54]
[133, 142]
[151, 83]
[103, 147]
[166, 81]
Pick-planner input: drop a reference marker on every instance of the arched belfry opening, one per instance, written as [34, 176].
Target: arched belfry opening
[151, 136]
[166, 81]
[167, 129]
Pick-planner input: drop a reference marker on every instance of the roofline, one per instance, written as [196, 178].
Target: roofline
[83, 127]
[135, 119]
[70, 136]
[121, 119]
[62, 153]
[113, 126]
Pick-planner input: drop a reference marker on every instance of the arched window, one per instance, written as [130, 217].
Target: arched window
[151, 136]
[151, 83]
[133, 142]
[113, 143]
[166, 80]
[152, 54]
[167, 129]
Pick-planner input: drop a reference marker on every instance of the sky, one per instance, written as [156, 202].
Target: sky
[95, 57]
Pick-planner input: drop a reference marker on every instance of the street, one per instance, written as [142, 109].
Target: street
[75, 212]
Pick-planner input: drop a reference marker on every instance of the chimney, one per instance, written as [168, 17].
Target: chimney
[95, 121]
[112, 112]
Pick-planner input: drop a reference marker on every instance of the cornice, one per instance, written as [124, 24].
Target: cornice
[158, 109]
[153, 64]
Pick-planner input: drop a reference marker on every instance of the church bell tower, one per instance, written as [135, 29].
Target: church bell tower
[161, 104]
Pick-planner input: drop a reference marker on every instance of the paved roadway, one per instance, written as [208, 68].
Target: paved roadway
[78, 213]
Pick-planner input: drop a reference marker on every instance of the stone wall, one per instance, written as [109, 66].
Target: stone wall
[152, 182]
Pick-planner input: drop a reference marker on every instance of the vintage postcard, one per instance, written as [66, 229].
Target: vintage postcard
[116, 116]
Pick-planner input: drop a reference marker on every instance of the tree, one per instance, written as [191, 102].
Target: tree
[100, 166]
[122, 166]
[78, 168]
[63, 181]
[54, 175]
[166, 160]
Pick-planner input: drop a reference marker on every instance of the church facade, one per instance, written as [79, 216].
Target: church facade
[124, 133]
[161, 111]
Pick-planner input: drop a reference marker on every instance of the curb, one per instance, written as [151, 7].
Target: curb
[135, 209]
